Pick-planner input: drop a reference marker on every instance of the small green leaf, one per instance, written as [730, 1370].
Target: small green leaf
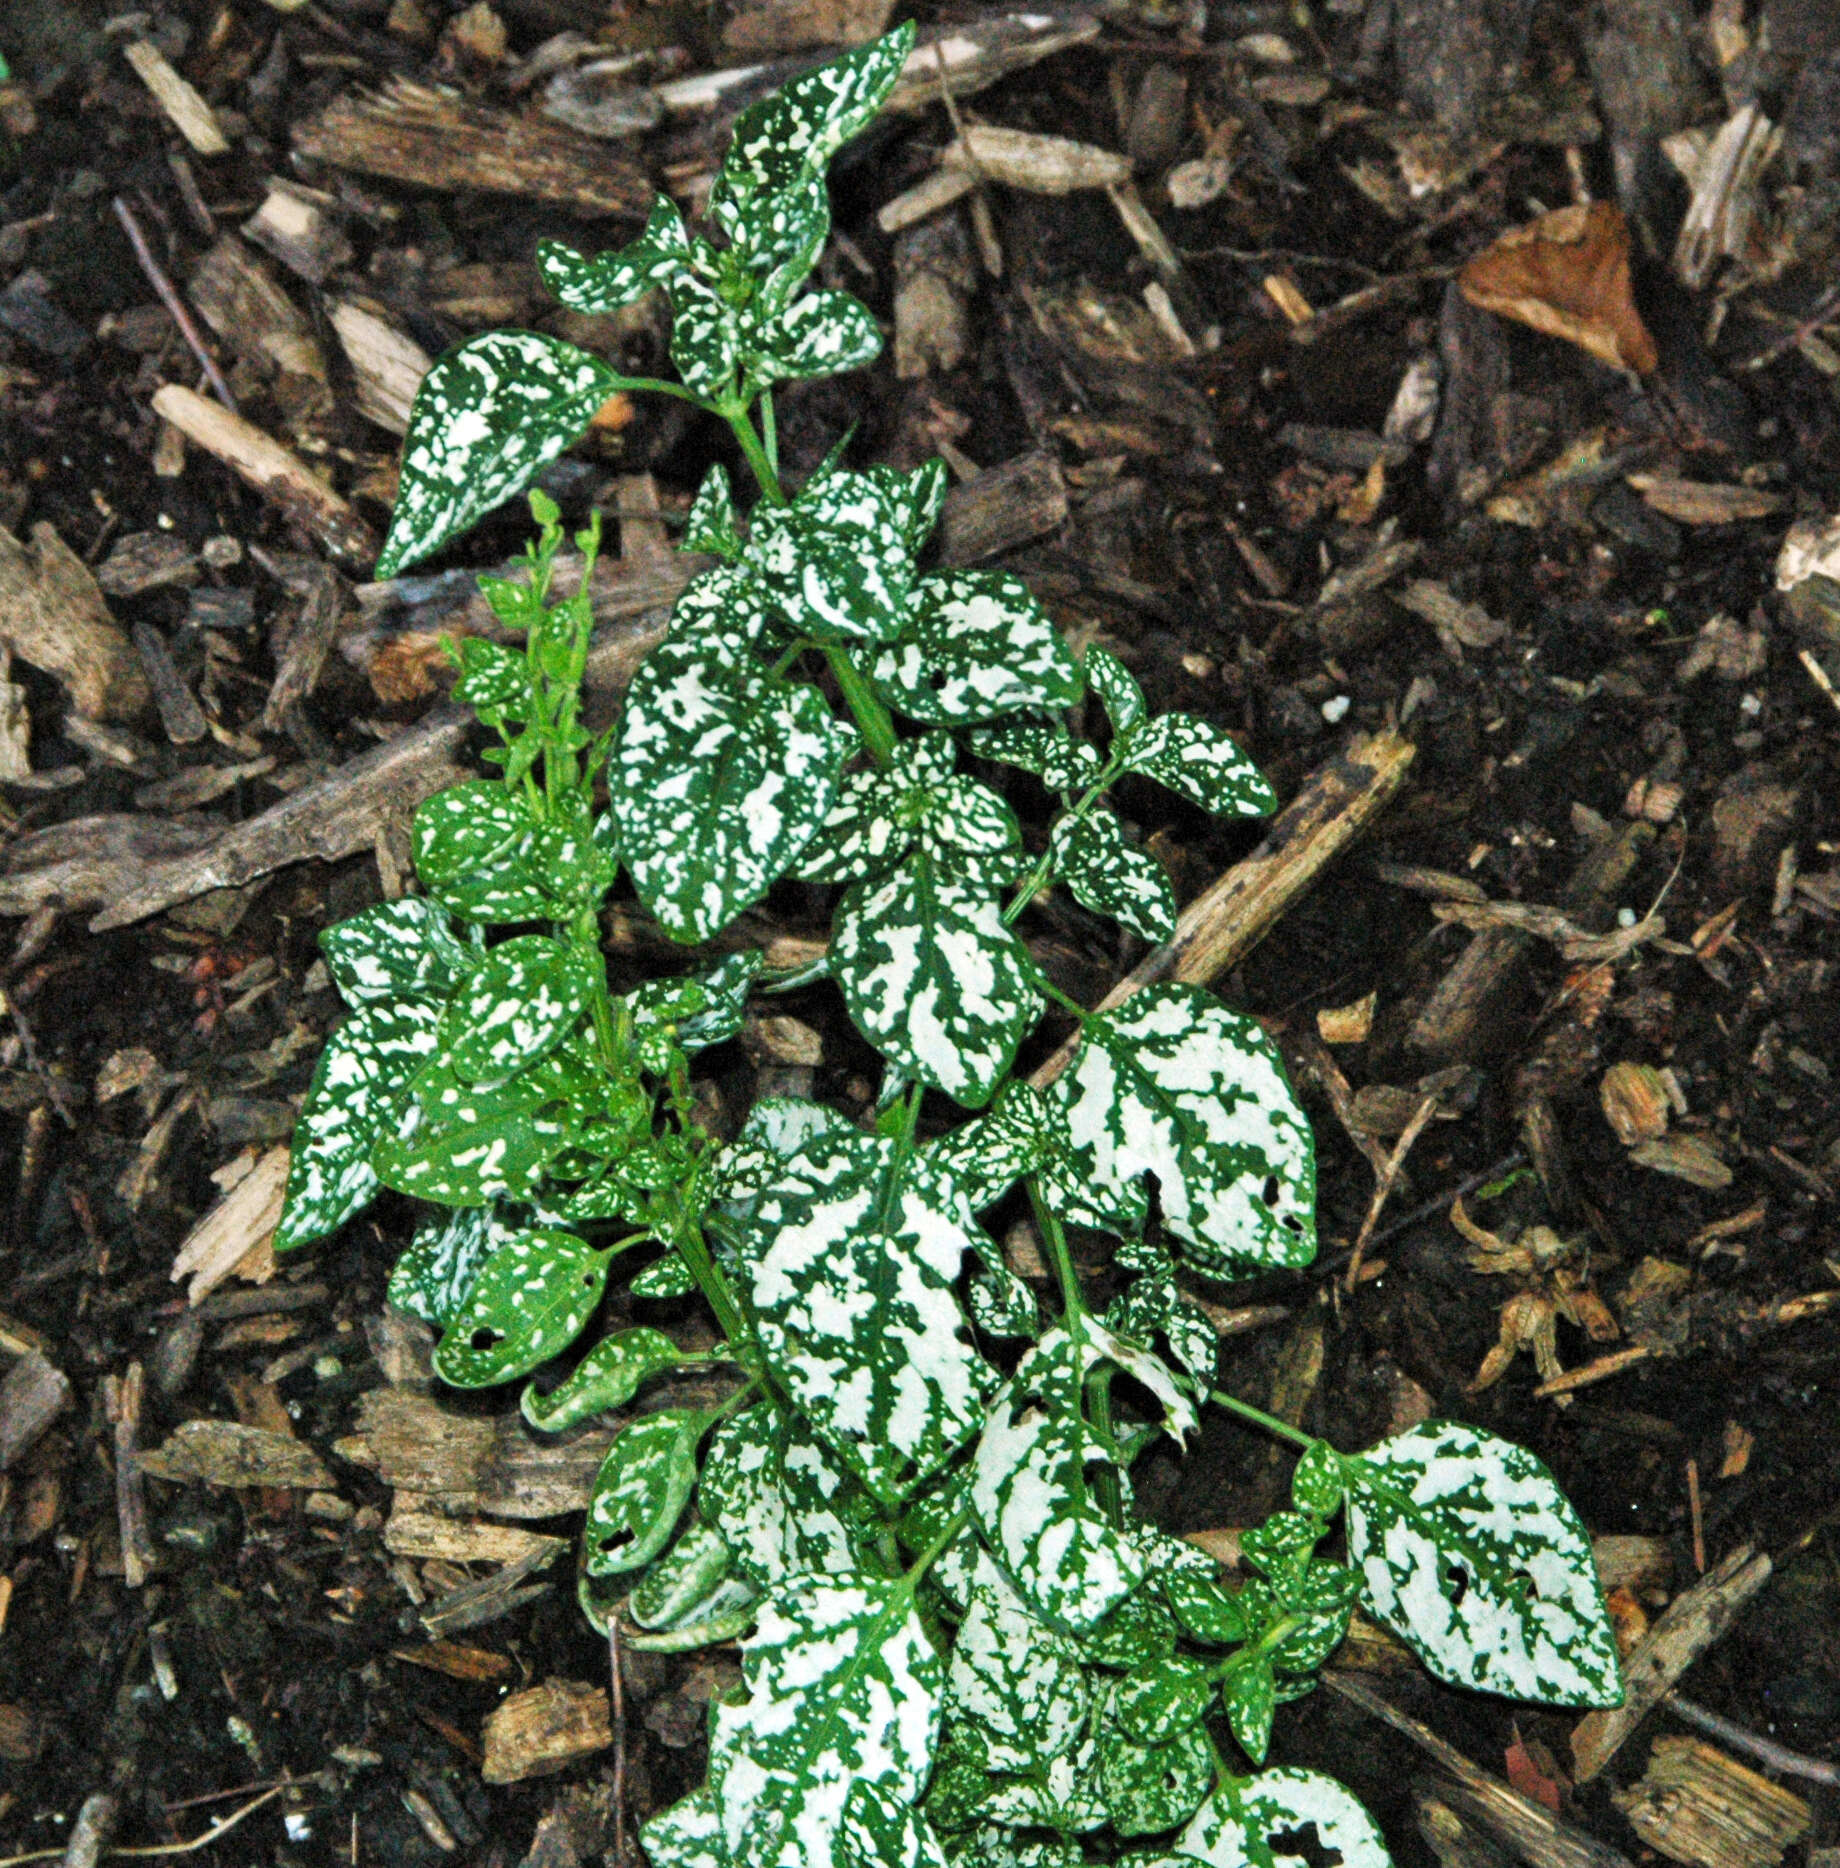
[1207, 1612]
[360, 1082]
[664, 1277]
[641, 1490]
[1151, 1787]
[724, 1008]
[682, 1581]
[437, 1267]
[1113, 877]
[822, 334]
[1256, 1821]
[1316, 1480]
[530, 1300]
[404, 949]
[777, 1496]
[488, 417]
[494, 680]
[468, 843]
[705, 341]
[711, 524]
[608, 1376]
[516, 1007]
[835, 562]
[1202, 764]
[612, 281]
[1060, 761]
[1156, 1702]
[1250, 1695]
[1117, 687]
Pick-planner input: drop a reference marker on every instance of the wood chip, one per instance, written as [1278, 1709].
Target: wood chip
[1704, 502]
[1347, 1024]
[1687, 1157]
[33, 1395]
[415, 1529]
[545, 1729]
[54, 616]
[1635, 1102]
[230, 1238]
[224, 1452]
[1036, 164]
[189, 114]
[387, 365]
[1696, 1805]
[299, 226]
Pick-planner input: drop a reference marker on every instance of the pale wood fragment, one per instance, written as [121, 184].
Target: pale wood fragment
[387, 365]
[88, 860]
[54, 616]
[1696, 1805]
[189, 114]
[545, 1729]
[1034, 163]
[244, 301]
[274, 471]
[122, 1399]
[414, 1529]
[225, 1452]
[34, 1393]
[296, 224]
[239, 1225]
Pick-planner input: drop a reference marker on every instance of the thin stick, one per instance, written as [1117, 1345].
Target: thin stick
[1818, 675]
[1767, 1750]
[1699, 1522]
[617, 1695]
[1587, 1373]
[1384, 1186]
[169, 297]
[217, 1829]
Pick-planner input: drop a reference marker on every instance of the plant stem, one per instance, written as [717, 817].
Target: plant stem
[872, 718]
[1054, 1237]
[769, 428]
[737, 417]
[1259, 1418]
[1064, 1000]
[1037, 879]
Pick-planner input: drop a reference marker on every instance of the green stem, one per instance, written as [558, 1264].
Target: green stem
[872, 718]
[737, 417]
[1064, 1000]
[1054, 1237]
[936, 1548]
[1259, 1418]
[1037, 879]
[657, 386]
[691, 1246]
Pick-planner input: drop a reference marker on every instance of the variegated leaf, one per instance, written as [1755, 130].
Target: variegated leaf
[985, 1158]
[1202, 763]
[725, 993]
[883, 1831]
[1175, 1085]
[515, 1007]
[641, 1490]
[720, 776]
[1472, 1555]
[488, 417]
[852, 1288]
[687, 1835]
[710, 525]
[612, 281]
[872, 822]
[777, 1496]
[1151, 1785]
[777, 1129]
[1155, 1702]
[1019, 1680]
[608, 1376]
[1250, 1695]
[1117, 687]
[1113, 877]
[1251, 1823]
[705, 340]
[843, 1690]
[1145, 1366]
[1032, 1498]
[934, 979]
[437, 1267]
[1060, 761]
[681, 1584]
[976, 644]
[835, 562]
[1067, 1796]
[360, 1082]
[530, 1299]
[726, 603]
[822, 334]
[468, 843]
[403, 949]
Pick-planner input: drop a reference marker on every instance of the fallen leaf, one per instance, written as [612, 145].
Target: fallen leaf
[1567, 274]
[1526, 1776]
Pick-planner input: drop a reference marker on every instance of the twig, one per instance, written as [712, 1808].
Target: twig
[1818, 675]
[1696, 1516]
[617, 1696]
[1766, 1750]
[1384, 1186]
[1587, 1373]
[169, 297]
[217, 1829]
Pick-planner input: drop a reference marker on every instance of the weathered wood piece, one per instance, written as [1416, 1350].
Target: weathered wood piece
[487, 1598]
[188, 113]
[544, 1729]
[387, 365]
[225, 1452]
[54, 616]
[1696, 1805]
[274, 471]
[1689, 1625]
[33, 1395]
[1002, 508]
[436, 139]
[180, 715]
[237, 1227]
[309, 643]
[416, 1529]
[242, 298]
[299, 227]
[122, 1399]
[340, 814]
[1228, 919]
[90, 860]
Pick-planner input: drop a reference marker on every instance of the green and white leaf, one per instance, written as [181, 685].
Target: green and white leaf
[1202, 764]
[1151, 1786]
[1117, 687]
[985, 1158]
[611, 281]
[468, 843]
[915, 500]
[640, 1491]
[873, 822]
[438, 1266]
[852, 1289]
[777, 1496]
[1250, 1695]
[1145, 1366]
[725, 994]
[360, 1082]
[665, 1277]
[705, 337]
[687, 1835]
[726, 603]
[608, 1376]
[1066, 1796]
[1175, 1085]
[818, 335]
[1019, 1680]
[1001, 1303]
[934, 979]
[515, 1007]
[835, 562]
[1249, 1823]
[529, 1301]
[976, 644]
[1060, 761]
[880, 1831]
[776, 1131]
[1152, 1704]
[1112, 876]
[1473, 1556]
[404, 949]
[684, 1580]
[487, 418]
[720, 776]
[711, 523]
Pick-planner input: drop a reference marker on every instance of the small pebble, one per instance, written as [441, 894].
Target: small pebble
[1336, 708]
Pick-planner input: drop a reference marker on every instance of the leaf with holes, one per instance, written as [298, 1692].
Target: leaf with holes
[1060, 761]
[1202, 764]
[531, 1299]
[780, 1500]
[610, 281]
[934, 979]
[710, 525]
[720, 776]
[360, 1082]
[1175, 1085]
[1472, 1555]
[1032, 1497]
[641, 1490]
[1016, 1678]
[1250, 1823]
[852, 1288]
[608, 1376]
[976, 644]
[1113, 877]
[517, 1006]
[468, 843]
[488, 417]
[1117, 688]
[437, 1267]
[1151, 1785]
[843, 1690]
[404, 949]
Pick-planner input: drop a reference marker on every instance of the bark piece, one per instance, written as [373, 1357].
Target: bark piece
[274, 471]
[435, 139]
[180, 715]
[299, 227]
[386, 365]
[488, 1598]
[33, 1395]
[189, 114]
[54, 616]
[764, 28]
[309, 642]
[416, 1530]
[224, 1452]
[1454, 55]
[122, 1398]
[89, 860]
[1696, 1805]
[237, 1228]
[1681, 1634]
[545, 1729]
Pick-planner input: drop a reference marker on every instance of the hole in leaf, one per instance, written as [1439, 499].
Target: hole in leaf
[483, 1339]
[1304, 1844]
[1269, 1192]
[1529, 1588]
[1456, 1581]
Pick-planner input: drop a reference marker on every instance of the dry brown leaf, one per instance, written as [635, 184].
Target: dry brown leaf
[1567, 274]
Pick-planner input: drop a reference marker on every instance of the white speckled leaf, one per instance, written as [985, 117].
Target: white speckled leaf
[777, 1496]
[687, 1581]
[687, 1835]
[933, 977]
[976, 644]
[880, 1831]
[985, 1158]
[705, 341]
[835, 562]
[871, 824]
[1471, 1553]
[468, 843]
[776, 1130]
[818, 335]
[1175, 1085]
[515, 1007]
[1113, 877]
[1032, 1498]
[611, 281]
[1256, 1822]
[852, 1289]
[726, 603]
[710, 525]
[1151, 1785]
[720, 776]
[1202, 763]
[641, 1490]
[843, 1690]
[360, 1081]
[405, 949]
[1153, 1372]
[1017, 1678]
[725, 993]
[608, 1376]
[529, 1301]
[488, 417]
[1060, 761]
[438, 1265]
[1066, 1796]
[1117, 687]
[914, 499]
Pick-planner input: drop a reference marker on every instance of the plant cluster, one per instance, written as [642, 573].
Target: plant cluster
[914, 1506]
